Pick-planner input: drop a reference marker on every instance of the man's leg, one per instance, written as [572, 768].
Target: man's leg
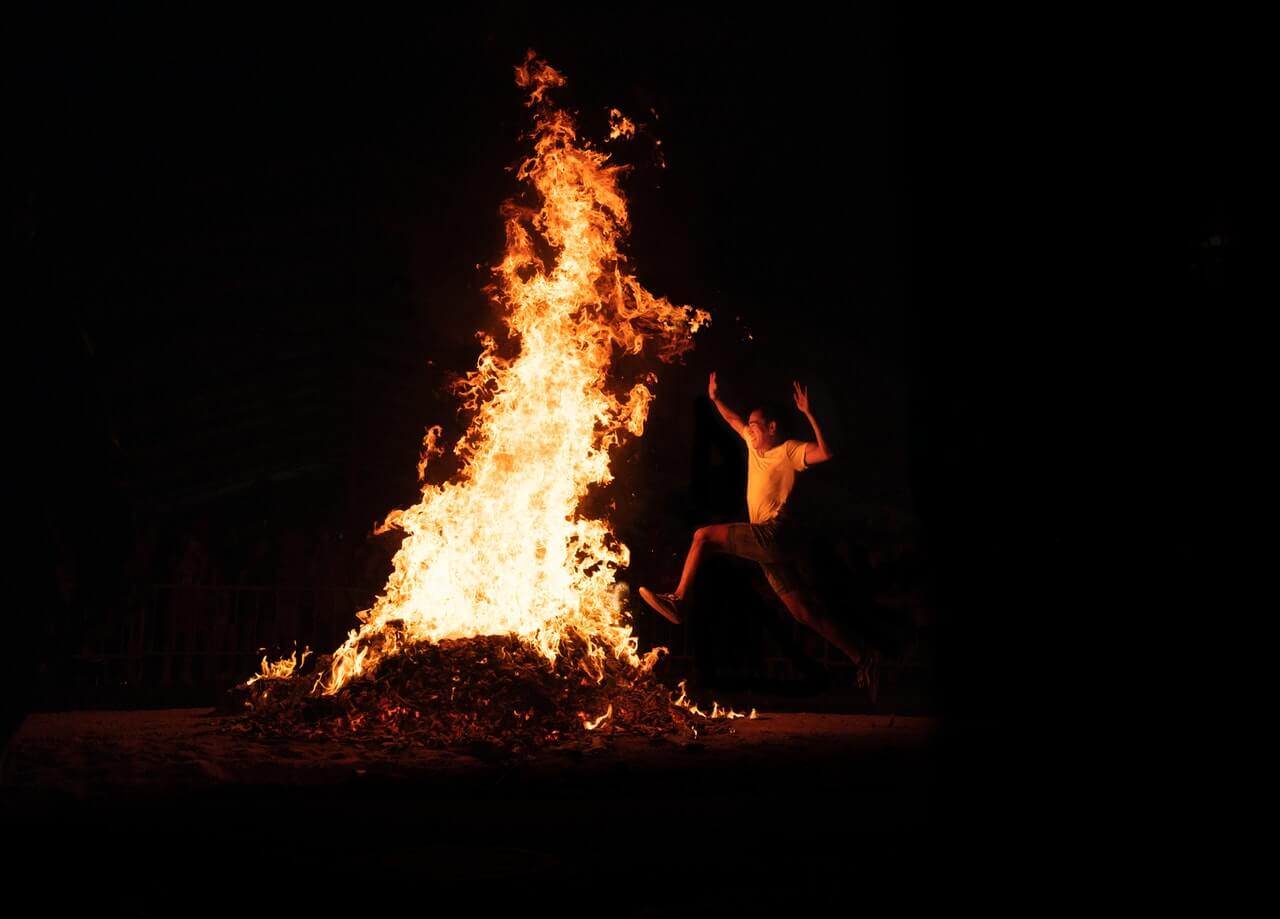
[705, 539]
[810, 613]
[815, 616]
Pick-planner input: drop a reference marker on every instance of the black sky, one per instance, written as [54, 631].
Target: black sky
[292, 211]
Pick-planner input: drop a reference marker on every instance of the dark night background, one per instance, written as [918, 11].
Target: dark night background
[249, 256]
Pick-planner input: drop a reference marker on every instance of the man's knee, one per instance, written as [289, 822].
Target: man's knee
[707, 536]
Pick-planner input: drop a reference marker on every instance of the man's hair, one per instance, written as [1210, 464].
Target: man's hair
[772, 411]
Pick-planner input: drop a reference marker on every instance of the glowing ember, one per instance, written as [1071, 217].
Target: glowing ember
[496, 691]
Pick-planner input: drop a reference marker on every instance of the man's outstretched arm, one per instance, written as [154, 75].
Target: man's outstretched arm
[813, 452]
[728, 414]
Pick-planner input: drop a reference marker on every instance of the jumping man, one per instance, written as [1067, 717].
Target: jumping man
[770, 537]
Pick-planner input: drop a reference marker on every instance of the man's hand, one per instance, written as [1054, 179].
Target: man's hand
[725, 412]
[801, 394]
[818, 452]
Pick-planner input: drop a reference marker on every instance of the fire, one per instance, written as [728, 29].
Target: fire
[282, 669]
[592, 724]
[716, 711]
[502, 548]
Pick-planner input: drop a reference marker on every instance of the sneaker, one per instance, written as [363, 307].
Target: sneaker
[667, 605]
[869, 674]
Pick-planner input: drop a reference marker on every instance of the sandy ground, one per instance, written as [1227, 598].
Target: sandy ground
[100, 755]
[147, 807]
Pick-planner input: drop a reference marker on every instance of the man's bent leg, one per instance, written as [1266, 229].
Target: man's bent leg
[670, 606]
[710, 538]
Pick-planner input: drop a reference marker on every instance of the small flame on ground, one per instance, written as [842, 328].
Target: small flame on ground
[282, 669]
[716, 711]
[592, 725]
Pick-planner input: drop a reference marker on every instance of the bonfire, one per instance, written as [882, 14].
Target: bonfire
[502, 620]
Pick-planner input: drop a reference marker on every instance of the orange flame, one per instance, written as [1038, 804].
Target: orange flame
[716, 711]
[620, 125]
[503, 548]
[282, 669]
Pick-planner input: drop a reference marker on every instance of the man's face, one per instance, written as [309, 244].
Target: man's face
[760, 433]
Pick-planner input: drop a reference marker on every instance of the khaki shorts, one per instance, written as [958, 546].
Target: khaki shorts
[766, 543]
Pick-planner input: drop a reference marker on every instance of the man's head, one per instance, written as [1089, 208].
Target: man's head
[762, 428]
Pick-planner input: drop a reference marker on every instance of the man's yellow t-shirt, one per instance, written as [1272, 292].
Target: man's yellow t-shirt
[771, 474]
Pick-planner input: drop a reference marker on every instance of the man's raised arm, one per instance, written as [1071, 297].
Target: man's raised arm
[726, 413]
[813, 452]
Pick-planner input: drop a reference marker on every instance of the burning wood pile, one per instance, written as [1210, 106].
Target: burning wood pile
[491, 691]
[502, 621]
